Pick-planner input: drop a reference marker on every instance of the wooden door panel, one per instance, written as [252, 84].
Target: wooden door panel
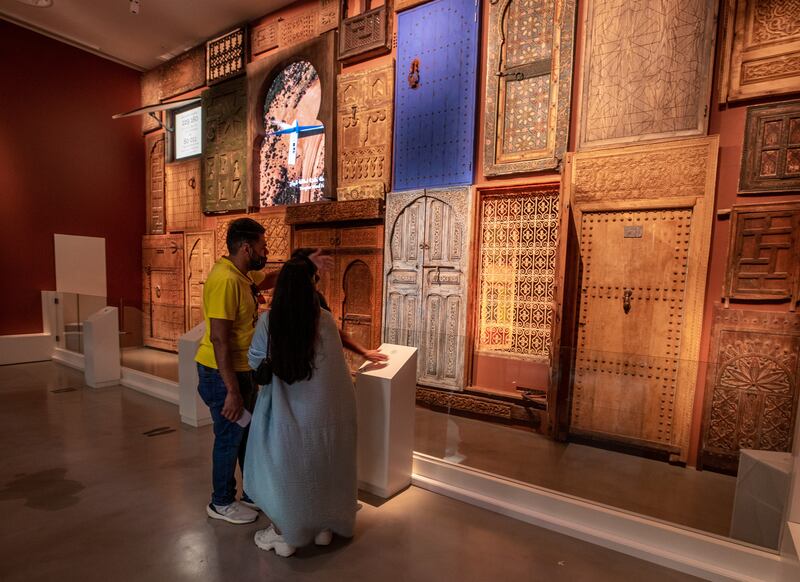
[360, 299]
[199, 248]
[528, 84]
[771, 152]
[154, 148]
[163, 290]
[315, 238]
[183, 195]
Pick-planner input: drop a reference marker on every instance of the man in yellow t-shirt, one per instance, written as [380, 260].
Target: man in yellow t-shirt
[230, 309]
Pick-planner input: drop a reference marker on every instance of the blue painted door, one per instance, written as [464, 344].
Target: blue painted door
[434, 124]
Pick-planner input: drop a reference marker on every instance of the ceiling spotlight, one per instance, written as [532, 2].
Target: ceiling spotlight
[37, 3]
[134, 6]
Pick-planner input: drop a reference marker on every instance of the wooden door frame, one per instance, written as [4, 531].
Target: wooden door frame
[650, 160]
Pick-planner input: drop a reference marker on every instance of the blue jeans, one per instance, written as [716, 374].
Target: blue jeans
[230, 439]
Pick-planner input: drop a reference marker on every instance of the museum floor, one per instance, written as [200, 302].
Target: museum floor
[90, 490]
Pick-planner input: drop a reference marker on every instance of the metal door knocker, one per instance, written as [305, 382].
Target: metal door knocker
[626, 300]
[413, 74]
[158, 291]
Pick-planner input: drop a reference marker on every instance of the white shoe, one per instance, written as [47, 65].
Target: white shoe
[232, 513]
[323, 538]
[250, 504]
[269, 539]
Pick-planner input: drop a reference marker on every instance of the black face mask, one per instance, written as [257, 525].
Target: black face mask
[256, 262]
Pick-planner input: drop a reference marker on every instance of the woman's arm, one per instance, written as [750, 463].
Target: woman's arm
[258, 345]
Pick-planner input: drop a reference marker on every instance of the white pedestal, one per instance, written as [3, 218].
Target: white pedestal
[101, 348]
[762, 488]
[193, 410]
[385, 397]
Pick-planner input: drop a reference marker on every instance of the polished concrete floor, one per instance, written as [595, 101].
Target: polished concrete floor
[155, 362]
[108, 485]
[698, 499]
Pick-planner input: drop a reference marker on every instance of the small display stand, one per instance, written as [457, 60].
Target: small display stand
[385, 396]
[101, 348]
[193, 410]
[762, 489]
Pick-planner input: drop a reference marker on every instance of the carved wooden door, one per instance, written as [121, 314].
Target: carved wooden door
[434, 127]
[528, 83]
[225, 186]
[629, 329]
[427, 278]
[163, 295]
[154, 148]
[199, 248]
[357, 300]
[366, 34]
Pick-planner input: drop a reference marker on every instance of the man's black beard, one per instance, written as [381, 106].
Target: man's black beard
[257, 263]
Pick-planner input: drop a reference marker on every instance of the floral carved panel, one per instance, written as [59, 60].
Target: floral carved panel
[761, 49]
[364, 112]
[751, 386]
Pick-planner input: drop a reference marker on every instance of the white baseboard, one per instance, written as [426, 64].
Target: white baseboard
[151, 385]
[68, 358]
[685, 550]
[27, 347]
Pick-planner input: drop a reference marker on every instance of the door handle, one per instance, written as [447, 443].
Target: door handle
[626, 300]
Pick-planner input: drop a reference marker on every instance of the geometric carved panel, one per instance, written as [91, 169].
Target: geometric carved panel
[771, 153]
[225, 147]
[183, 73]
[764, 254]
[278, 234]
[154, 149]
[518, 245]
[365, 35]
[199, 249]
[162, 290]
[761, 49]
[226, 56]
[647, 71]
[752, 385]
[528, 84]
[365, 133]
[183, 196]
[264, 37]
[151, 95]
[435, 93]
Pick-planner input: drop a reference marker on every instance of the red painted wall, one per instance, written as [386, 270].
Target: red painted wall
[65, 167]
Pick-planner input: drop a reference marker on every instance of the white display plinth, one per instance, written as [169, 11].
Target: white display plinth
[762, 488]
[193, 410]
[101, 348]
[385, 396]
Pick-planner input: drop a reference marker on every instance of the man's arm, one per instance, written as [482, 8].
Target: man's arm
[354, 346]
[220, 335]
[269, 281]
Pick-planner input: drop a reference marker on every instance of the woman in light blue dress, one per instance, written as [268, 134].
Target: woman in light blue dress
[300, 467]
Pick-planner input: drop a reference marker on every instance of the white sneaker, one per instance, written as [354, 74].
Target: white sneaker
[268, 539]
[323, 538]
[232, 513]
[250, 504]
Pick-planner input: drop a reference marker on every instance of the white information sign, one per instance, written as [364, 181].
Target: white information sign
[187, 133]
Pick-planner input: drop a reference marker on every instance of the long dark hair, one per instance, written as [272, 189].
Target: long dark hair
[294, 321]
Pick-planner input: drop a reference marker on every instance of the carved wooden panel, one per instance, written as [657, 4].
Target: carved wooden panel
[761, 49]
[406, 4]
[365, 133]
[200, 258]
[183, 73]
[528, 84]
[163, 295]
[764, 254]
[225, 183]
[264, 37]
[771, 152]
[183, 196]
[751, 386]
[365, 35]
[427, 267]
[154, 151]
[151, 95]
[643, 216]
[277, 233]
[367, 209]
[226, 56]
[435, 86]
[517, 260]
[288, 86]
[328, 15]
[647, 71]
[297, 29]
